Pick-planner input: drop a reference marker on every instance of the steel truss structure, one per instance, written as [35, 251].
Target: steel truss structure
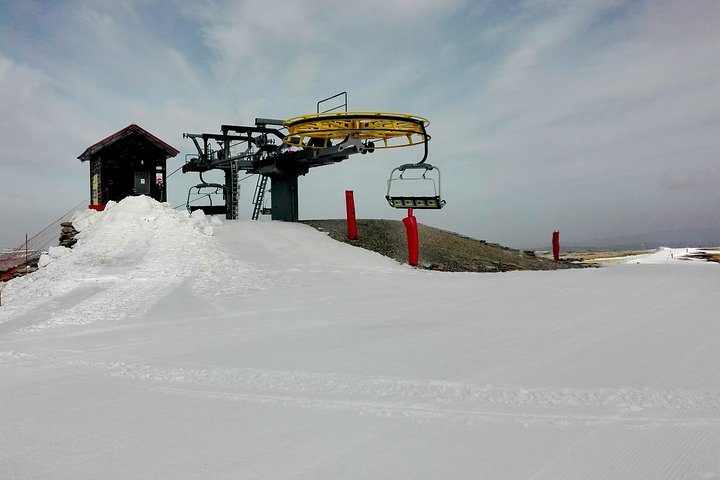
[323, 138]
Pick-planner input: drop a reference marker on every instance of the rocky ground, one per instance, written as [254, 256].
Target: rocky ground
[439, 249]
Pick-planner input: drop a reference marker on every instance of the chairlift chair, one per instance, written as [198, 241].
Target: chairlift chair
[208, 191]
[433, 201]
[266, 208]
[396, 200]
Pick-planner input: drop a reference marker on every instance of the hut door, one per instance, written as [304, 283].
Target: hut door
[142, 183]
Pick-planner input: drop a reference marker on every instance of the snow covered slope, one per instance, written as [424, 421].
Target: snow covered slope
[267, 350]
[665, 255]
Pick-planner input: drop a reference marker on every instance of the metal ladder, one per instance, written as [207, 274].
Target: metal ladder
[234, 190]
[259, 196]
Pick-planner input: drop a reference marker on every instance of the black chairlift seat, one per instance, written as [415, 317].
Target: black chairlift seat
[415, 202]
[210, 209]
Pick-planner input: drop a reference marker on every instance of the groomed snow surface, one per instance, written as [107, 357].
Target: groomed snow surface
[165, 346]
[662, 255]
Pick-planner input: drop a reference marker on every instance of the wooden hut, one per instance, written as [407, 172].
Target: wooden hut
[129, 162]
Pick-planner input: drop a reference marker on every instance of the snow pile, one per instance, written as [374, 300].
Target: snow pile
[123, 233]
[126, 258]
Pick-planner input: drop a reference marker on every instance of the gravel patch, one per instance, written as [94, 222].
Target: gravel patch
[439, 249]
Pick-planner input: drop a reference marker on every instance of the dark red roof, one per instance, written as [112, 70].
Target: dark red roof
[125, 132]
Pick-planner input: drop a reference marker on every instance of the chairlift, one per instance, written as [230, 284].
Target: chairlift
[266, 208]
[430, 176]
[207, 191]
[433, 201]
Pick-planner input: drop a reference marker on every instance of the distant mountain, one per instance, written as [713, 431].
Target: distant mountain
[688, 237]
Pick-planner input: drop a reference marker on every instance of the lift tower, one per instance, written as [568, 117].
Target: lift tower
[323, 138]
[262, 152]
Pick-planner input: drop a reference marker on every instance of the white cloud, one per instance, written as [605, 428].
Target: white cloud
[579, 114]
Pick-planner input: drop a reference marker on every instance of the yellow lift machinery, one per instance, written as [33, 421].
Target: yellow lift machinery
[365, 132]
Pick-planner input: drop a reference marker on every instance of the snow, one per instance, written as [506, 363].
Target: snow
[268, 350]
[665, 255]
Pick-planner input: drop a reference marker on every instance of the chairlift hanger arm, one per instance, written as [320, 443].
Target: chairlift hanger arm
[425, 144]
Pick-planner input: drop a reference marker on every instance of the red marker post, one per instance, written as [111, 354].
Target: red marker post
[556, 246]
[352, 232]
[412, 237]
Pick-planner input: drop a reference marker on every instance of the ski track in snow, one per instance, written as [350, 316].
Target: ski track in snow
[16, 357]
[429, 411]
[414, 398]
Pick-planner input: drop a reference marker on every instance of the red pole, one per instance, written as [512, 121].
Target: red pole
[556, 246]
[352, 232]
[26, 252]
[412, 237]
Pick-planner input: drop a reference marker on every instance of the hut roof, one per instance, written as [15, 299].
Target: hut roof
[131, 129]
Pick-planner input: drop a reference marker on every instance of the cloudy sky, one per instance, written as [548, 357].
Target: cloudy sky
[597, 118]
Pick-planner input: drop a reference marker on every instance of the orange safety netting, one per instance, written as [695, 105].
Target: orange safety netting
[34, 245]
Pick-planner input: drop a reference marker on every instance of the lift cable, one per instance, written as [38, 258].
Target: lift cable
[15, 256]
[174, 171]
